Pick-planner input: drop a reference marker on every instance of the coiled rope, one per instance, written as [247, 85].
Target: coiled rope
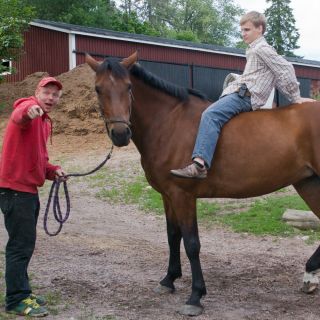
[60, 217]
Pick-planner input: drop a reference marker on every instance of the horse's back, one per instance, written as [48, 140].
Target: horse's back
[257, 152]
[262, 151]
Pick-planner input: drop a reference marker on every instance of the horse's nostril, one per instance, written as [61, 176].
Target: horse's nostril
[120, 138]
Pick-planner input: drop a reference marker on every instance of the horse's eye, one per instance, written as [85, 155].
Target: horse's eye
[98, 91]
[129, 86]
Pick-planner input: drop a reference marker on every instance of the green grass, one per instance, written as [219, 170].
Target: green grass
[139, 192]
[135, 192]
[264, 217]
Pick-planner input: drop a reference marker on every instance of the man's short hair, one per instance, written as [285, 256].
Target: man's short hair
[258, 19]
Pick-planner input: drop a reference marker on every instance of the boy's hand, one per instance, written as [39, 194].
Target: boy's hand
[302, 100]
[34, 112]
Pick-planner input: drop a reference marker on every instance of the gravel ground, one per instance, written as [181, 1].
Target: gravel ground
[109, 257]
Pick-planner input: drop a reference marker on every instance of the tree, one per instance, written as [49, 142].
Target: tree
[206, 21]
[281, 32]
[225, 30]
[93, 13]
[14, 20]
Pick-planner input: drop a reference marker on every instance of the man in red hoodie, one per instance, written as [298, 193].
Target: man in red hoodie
[24, 166]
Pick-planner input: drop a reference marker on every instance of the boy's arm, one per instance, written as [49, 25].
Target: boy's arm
[283, 71]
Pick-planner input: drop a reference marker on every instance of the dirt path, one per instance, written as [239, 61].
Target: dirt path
[108, 258]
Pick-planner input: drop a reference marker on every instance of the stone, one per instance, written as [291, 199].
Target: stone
[303, 220]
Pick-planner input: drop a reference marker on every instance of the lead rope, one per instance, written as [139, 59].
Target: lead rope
[54, 191]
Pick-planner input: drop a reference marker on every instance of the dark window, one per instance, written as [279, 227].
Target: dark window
[5, 67]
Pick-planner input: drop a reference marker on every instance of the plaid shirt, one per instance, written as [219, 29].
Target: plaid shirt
[264, 70]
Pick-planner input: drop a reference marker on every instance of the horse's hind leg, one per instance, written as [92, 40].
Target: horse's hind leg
[174, 241]
[309, 190]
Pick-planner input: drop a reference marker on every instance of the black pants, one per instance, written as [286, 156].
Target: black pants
[21, 211]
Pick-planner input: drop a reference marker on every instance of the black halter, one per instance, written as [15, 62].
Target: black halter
[112, 121]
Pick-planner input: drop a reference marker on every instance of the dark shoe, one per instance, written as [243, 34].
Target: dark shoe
[191, 171]
[41, 301]
[30, 308]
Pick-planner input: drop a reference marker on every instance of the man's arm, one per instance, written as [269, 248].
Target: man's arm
[23, 115]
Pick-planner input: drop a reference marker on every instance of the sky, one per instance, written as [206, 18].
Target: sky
[306, 13]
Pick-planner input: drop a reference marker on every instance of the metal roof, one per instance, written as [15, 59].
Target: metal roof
[140, 38]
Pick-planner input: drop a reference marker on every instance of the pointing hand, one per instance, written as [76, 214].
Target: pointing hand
[34, 112]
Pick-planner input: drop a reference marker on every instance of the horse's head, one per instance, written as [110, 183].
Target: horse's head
[113, 87]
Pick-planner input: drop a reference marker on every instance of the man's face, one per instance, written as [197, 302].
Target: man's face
[48, 97]
[250, 33]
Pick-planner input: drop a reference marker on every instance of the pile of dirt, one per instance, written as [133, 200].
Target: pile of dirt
[77, 112]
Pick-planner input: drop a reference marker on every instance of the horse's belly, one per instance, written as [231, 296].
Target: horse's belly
[251, 185]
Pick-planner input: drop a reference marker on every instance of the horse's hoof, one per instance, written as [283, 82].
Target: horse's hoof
[190, 310]
[309, 287]
[162, 290]
[310, 282]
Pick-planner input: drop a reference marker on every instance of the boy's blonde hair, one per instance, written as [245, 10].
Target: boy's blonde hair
[257, 19]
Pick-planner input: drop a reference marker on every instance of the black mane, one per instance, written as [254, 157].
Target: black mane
[114, 66]
[158, 83]
[150, 79]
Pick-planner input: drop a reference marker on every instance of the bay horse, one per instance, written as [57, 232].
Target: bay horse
[257, 153]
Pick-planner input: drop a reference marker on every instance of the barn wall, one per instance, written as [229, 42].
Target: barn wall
[110, 47]
[44, 51]
[307, 72]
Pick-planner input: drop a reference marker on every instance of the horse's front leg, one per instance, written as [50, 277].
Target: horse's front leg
[185, 210]
[174, 241]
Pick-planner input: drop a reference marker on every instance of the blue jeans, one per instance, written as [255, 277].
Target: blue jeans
[21, 210]
[212, 121]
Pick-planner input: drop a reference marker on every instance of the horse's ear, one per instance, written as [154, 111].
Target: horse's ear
[94, 64]
[128, 62]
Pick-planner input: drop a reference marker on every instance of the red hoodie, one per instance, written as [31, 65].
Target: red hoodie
[24, 159]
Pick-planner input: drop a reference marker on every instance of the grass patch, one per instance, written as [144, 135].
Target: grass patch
[135, 192]
[139, 192]
[264, 216]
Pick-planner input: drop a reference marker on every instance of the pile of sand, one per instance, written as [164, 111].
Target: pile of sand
[77, 112]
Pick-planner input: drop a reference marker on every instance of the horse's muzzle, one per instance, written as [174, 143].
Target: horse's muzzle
[120, 135]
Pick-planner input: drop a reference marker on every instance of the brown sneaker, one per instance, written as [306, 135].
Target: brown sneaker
[191, 171]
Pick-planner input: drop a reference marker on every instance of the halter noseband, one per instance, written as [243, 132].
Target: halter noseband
[112, 121]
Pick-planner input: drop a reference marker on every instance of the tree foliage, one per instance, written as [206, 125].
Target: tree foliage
[206, 21]
[281, 32]
[14, 20]
[93, 13]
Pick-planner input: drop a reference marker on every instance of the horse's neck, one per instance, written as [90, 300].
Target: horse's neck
[151, 108]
